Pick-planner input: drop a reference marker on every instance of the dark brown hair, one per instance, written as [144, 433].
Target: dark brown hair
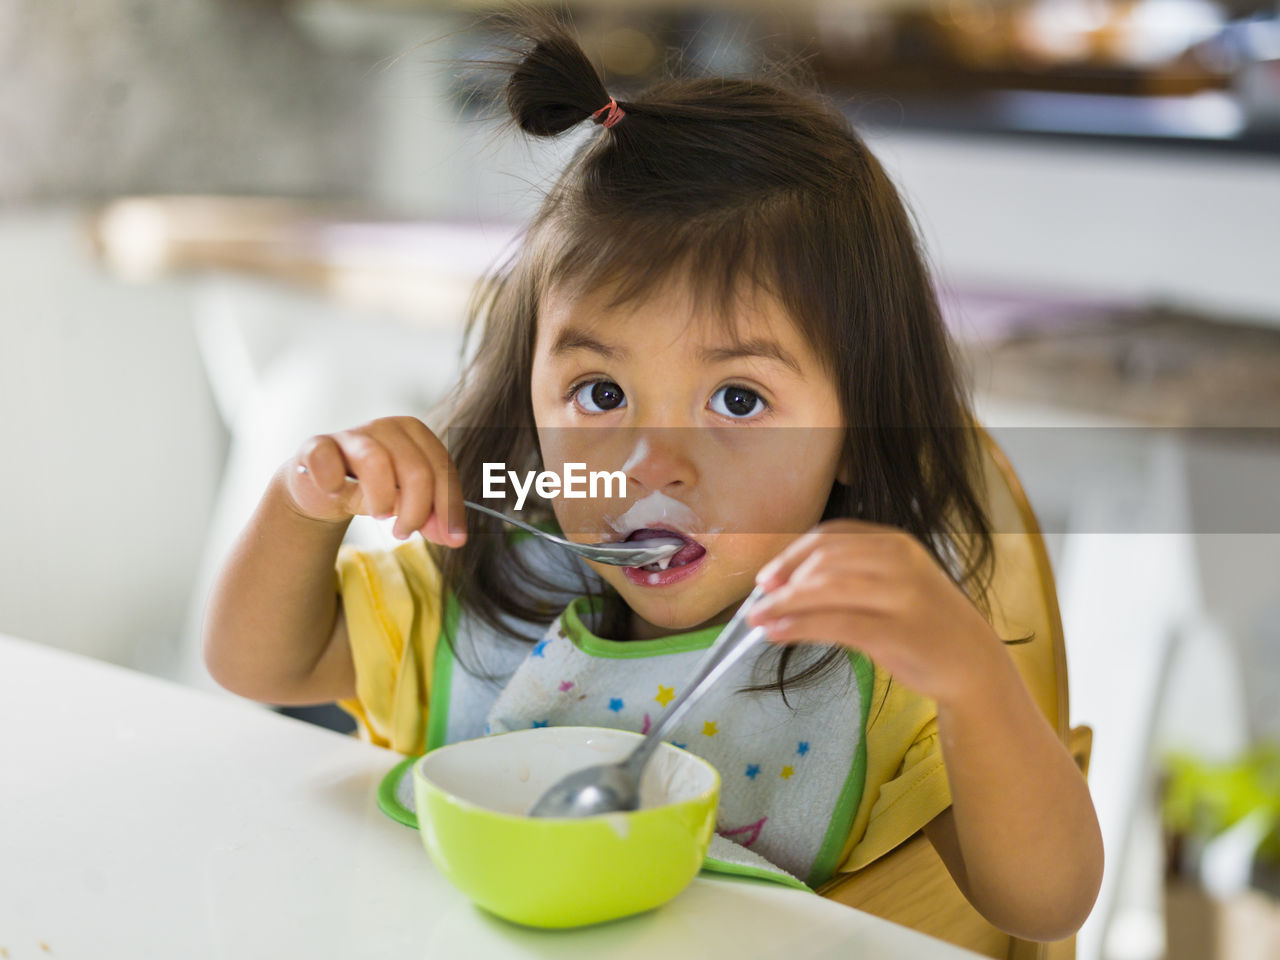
[729, 181]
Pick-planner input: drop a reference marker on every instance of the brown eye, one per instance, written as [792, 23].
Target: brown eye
[739, 403]
[600, 396]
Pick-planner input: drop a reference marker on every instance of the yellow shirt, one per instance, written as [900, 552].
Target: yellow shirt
[393, 605]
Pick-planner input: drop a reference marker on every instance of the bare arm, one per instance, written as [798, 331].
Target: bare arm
[274, 629]
[1021, 838]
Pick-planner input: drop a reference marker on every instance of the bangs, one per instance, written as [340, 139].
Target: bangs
[724, 258]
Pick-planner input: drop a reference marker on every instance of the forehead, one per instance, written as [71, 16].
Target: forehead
[671, 313]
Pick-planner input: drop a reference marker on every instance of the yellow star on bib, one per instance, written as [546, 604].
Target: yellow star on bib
[709, 729]
[665, 694]
[786, 773]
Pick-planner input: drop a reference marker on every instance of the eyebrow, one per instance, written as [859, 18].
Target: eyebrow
[572, 338]
[751, 348]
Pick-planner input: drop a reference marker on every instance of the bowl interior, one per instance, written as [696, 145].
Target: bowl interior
[508, 772]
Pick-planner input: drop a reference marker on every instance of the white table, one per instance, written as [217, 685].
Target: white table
[141, 819]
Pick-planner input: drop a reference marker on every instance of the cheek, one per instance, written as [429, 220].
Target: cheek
[593, 451]
[745, 553]
[583, 520]
[773, 509]
[780, 484]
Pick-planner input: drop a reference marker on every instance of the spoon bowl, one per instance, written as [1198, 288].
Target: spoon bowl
[603, 788]
[624, 554]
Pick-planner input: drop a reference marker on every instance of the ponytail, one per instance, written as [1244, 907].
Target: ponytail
[555, 87]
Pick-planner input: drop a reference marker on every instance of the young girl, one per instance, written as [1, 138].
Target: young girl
[721, 299]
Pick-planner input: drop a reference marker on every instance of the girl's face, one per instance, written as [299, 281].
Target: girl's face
[728, 433]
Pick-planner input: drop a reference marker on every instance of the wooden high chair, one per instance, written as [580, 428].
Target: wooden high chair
[910, 885]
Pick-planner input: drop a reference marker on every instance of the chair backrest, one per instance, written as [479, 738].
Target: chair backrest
[1024, 600]
[910, 885]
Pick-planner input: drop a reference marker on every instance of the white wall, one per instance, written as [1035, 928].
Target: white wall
[109, 447]
[1192, 228]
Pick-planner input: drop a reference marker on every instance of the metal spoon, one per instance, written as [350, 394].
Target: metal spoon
[611, 787]
[655, 549]
[624, 554]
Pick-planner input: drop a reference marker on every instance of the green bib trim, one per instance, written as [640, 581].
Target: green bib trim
[442, 676]
[824, 865]
[389, 801]
[589, 643]
[712, 865]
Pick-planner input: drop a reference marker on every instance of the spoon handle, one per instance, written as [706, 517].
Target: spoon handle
[735, 639]
[496, 514]
[528, 527]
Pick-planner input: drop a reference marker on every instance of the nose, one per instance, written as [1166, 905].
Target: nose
[661, 460]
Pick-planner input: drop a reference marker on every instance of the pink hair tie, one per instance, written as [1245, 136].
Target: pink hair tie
[613, 115]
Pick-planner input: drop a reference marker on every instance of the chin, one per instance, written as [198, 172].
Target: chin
[671, 618]
[679, 611]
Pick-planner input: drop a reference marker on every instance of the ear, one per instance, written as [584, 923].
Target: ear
[843, 473]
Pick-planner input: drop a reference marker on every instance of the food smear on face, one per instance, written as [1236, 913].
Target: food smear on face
[638, 454]
[658, 515]
[657, 509]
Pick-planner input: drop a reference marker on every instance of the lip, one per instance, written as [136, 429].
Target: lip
[662, 578]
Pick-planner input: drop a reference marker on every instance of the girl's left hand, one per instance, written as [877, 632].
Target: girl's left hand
[876, 589]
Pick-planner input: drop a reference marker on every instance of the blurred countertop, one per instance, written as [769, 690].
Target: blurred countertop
[422, 272]
[1147, 364]
[1134, 362]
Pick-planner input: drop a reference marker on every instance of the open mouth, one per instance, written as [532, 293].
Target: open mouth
[691, 551]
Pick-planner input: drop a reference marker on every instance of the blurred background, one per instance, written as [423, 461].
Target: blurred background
[226, 225]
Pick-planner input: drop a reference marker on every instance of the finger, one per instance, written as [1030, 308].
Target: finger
[778, 570]
[805, 569]
[831, 562]
[449, 510]
[865, 594]
[322, 460]
[815, 552]
[431, 529]
[415, 479]
[830, 627]
[370, 463]
[845, 541]
[449, 505]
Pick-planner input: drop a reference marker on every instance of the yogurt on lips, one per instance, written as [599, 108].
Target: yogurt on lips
[658, 515]
[654, 510]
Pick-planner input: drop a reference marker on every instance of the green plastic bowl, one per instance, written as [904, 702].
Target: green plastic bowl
[471, 800]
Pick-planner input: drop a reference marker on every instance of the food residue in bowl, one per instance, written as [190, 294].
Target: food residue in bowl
[618, 821]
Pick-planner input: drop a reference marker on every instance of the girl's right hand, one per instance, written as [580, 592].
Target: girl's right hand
[393, 466]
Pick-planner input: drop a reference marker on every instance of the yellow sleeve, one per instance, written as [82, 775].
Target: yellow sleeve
[906, 782]
[393, 605]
